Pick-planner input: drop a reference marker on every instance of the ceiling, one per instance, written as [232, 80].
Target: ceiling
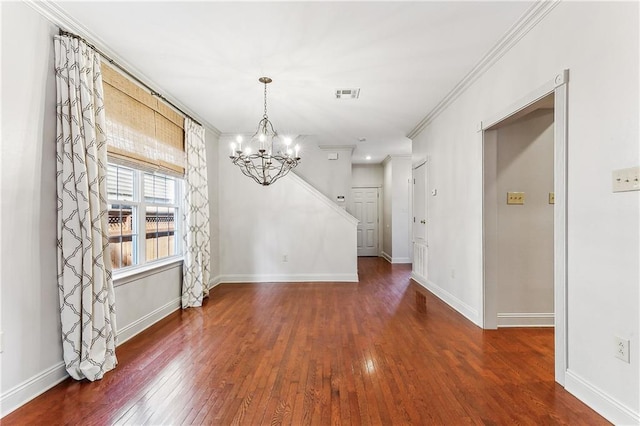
[403, 56]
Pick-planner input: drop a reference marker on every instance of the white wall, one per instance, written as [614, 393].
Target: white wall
[525, 232]
[387, 209]
[30, 318]
[396, 234]
[31, 360]
[330, 177]
[598, 43]
[400, 196]
[213, 180]
[367, 175]
[260, 225]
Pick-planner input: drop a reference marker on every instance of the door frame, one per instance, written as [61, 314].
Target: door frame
[488, 307]
[414, 166]
[380, 217]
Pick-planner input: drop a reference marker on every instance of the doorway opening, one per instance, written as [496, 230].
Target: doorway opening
[524, 216]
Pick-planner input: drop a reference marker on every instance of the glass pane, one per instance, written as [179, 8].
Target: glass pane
[120, 183]
[160, 189]
[171, 190]
[172, 231]
[167, 230]
[121, 233]
[151, 225]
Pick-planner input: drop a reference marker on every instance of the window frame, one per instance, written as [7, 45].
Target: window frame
[139, 205]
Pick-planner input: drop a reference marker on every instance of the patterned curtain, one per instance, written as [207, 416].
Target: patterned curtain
[84, 271]
[195, 274]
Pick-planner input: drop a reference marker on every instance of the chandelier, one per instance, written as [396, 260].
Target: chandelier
[266, 157]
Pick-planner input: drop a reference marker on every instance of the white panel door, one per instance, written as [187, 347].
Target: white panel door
[420, 249]
[419, 205]
[365, 209]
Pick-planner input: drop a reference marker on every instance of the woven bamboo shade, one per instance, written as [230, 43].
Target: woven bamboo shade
[141, 129]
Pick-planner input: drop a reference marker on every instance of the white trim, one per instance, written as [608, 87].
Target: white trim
[326, 200]
[607, 406]
[286, 278]
[54, 14]
[146, 270]
[391, 157]
[526, 22]
[141, 324]
[528, 100]
[526, 319]
[466, 310]
[337, 147]
[560, 217]
[31, 388]
[40, 383]
[419, 163]
[557, 86]
[391, 259]
[214, 282]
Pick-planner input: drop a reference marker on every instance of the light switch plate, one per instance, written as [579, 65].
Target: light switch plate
[626, 179]
[515, 198]
[552, 198]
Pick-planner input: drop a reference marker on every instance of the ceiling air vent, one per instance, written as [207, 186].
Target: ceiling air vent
[347, 93]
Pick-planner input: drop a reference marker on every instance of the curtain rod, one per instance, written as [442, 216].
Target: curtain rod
[124, 70]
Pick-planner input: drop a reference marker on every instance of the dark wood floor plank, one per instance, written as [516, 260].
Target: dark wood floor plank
[364, 353]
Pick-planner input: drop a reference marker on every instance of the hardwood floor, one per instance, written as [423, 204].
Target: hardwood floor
[321, 353]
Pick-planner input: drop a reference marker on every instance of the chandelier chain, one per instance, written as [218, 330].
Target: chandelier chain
[265, 100]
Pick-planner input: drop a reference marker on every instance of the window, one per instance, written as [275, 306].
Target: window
[144, 216]
[143, 134]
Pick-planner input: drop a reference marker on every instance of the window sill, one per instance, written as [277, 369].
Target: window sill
[138, 272]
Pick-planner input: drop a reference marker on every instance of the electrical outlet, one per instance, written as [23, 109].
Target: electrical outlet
[285, 258]
[622, 349]
[515, 198]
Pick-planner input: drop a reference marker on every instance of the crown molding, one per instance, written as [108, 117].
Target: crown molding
[57, 16]
[518, 30]
[337, 147]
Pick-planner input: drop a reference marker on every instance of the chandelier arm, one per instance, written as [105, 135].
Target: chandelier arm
[246, 170]
[264, 168]
[284, 169]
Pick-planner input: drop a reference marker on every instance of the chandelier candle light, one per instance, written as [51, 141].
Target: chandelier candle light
[274, 157]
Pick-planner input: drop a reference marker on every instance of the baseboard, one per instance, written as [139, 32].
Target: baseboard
[287, 278]
[147, 321]
[392, 259]
[612, 410]
[448, 298]
[214, 281]
[520, 319]
[29, 389]
[42, 382]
